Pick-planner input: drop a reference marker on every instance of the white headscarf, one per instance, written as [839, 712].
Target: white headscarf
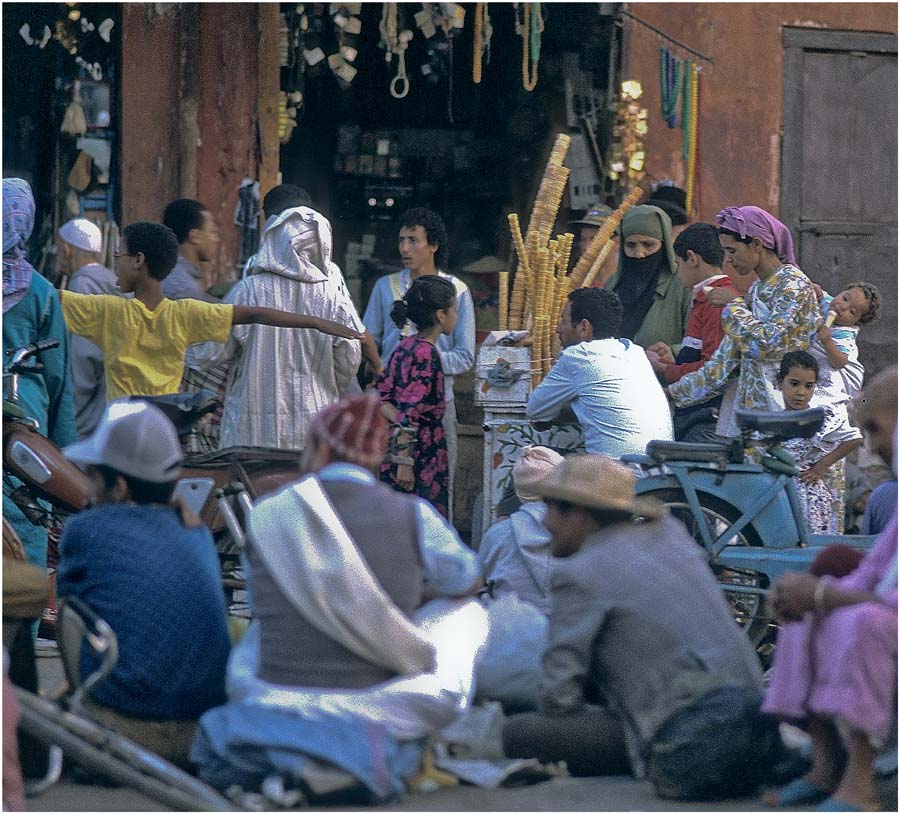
[297, 244]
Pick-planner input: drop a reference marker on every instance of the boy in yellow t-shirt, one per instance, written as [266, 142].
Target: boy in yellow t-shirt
[144, 339]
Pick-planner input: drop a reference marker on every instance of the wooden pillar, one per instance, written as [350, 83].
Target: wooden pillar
[186, 102]
[268, 87]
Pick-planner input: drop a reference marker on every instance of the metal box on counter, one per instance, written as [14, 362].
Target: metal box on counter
[502, 377]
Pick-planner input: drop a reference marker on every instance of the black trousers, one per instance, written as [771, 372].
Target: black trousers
[591, 742]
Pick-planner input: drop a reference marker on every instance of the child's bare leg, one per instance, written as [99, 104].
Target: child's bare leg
[857, 786]
[828, 754]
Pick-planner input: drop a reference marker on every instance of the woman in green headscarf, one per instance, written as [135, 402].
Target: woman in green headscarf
[655, 305]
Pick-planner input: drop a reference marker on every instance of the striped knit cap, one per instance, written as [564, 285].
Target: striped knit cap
[355, 429]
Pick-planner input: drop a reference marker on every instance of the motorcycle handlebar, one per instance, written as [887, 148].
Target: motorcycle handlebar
[19, 355]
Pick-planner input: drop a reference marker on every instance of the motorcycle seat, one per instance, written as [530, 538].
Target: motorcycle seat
[184, 410]
[793, 424]
[713, 453]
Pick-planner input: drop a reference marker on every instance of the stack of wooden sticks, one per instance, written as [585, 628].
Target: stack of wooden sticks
[542, 281]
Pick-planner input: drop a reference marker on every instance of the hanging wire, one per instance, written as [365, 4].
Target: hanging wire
[665, 36]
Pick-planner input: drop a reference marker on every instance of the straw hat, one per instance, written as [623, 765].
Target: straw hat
[597, 482]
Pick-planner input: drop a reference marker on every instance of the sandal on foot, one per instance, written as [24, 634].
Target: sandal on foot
[834, 804]
[799, 792]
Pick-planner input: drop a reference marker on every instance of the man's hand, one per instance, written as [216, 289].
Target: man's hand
[405, 478]
[662, 351]
[659, 368]
[720, 296]
[188, 519]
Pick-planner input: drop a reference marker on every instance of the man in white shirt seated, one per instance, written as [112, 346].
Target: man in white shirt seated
[607, 381]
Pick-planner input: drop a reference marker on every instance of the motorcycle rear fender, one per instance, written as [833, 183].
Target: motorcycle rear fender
[774, 563]
[775, 524]
[52, 476]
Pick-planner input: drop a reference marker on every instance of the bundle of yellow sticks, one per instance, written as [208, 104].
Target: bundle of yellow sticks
[542, 281]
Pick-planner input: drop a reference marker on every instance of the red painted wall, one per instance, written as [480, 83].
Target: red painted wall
[223, 56]
[227, 90]
[741, 96]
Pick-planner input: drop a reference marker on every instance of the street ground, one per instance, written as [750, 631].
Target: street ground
[559, 794]
[619, 793]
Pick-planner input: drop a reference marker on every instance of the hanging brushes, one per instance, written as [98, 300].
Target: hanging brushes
[542, 283]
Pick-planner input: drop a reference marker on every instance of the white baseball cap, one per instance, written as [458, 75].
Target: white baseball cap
[134, 438]
[82, 234]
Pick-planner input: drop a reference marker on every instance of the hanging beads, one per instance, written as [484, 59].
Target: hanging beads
[692, 143]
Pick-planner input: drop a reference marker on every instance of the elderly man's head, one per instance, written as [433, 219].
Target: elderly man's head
[353, 430]
[876, 414]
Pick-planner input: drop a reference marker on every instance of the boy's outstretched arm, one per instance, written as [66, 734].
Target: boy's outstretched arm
[257, 315]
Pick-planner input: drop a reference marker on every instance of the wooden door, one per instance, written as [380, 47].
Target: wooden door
[839, 167]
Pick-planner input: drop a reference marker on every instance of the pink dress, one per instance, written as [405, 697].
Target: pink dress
[413, 382]
[844, 665]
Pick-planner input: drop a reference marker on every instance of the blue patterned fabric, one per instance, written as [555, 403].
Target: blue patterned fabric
[18, 223]
[158, 586]
[243, 743]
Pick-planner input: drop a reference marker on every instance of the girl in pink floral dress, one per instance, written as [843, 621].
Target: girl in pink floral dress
[412, 391]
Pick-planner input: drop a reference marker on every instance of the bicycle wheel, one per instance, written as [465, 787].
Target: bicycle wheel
[748, 609]
[121, 760]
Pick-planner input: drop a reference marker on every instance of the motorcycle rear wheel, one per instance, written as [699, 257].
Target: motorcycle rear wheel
[749, 610]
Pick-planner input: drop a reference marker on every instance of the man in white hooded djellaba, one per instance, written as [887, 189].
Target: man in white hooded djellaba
[277, 383]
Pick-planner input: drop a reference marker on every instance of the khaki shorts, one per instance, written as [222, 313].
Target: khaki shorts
[169, 739]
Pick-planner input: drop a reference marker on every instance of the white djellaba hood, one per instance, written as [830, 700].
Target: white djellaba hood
[297, 244]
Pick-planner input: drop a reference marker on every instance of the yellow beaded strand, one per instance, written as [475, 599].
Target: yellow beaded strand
[692, 141]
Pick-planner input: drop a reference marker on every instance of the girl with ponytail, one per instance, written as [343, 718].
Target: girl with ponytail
[412, 393]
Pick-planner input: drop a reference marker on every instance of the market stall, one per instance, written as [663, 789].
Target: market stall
[514, 360]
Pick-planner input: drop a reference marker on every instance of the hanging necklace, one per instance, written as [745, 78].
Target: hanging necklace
[692, 186]
[669, 85]
[530, 29]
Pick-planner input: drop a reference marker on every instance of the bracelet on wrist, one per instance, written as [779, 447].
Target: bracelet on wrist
[819, 596]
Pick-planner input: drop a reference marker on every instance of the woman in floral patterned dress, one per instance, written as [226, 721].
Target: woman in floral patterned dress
[778, 314]
[412, 392]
